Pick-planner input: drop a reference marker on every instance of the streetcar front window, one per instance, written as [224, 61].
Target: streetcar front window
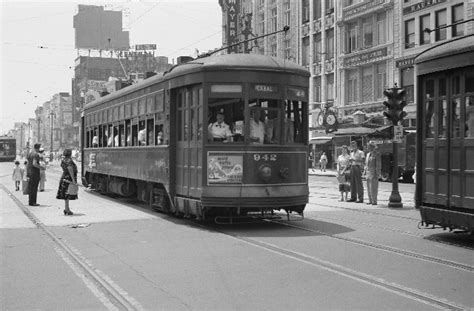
[294, 122]
[265, 121]
[225, 120]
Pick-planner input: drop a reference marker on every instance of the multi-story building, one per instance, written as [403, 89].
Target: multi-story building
[415, 33]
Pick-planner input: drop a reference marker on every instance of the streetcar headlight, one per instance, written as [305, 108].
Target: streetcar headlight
[265, 172]
[284, 172]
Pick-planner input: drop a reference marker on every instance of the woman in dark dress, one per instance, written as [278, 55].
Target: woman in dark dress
[69, 176]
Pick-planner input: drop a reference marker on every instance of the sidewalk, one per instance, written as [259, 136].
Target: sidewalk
[318, 172]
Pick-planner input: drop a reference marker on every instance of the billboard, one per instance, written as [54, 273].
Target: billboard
[96, 28]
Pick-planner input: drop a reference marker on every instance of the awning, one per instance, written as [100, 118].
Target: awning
[320, 140]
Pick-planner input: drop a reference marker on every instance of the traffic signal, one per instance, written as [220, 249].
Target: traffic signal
[395, 103]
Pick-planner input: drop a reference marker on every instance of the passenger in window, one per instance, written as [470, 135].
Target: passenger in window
[159, 138]
[272, 128]
[219, 130]
[257, 128]
[95, 141]
[110, 138]
[288, 130]
[142, 135]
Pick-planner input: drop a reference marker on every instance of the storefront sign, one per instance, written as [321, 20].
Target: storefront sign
[145, 47]
[365, 6]
[361, 58]
[404, 63]
[224, 168]
[421, 5]
[232, 14]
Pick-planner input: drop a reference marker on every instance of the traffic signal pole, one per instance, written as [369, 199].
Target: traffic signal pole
[395, 104]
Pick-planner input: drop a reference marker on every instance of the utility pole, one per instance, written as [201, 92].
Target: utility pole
[52, 115]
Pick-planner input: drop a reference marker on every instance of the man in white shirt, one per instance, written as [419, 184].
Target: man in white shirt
[357, 162]
[219, 130]
[257, 127]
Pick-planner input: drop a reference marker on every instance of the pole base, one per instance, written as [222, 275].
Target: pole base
[395, 204]
[395, 200]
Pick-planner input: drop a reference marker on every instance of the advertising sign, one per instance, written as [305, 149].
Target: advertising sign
[224, 168]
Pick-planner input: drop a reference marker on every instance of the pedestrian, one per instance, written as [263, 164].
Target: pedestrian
[323, 161]
[343, 172]
[357, 162]
[67, 192]
[372, 171]
[43, 170]
[33, 174]
[17, 175]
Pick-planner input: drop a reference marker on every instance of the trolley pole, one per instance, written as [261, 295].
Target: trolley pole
[395, 104]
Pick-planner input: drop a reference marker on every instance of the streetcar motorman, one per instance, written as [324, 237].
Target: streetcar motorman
[219, 130]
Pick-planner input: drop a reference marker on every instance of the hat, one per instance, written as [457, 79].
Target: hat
[372, 144]
[41, 149]
[220, 111]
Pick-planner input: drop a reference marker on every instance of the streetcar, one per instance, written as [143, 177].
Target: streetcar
[7, 148]
[445, 129]
[154, 140]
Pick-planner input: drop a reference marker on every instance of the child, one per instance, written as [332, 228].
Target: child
[17, 175]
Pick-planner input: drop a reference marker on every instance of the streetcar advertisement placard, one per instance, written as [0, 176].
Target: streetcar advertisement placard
[224, 168]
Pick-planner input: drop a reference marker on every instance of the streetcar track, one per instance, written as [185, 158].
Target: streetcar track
[390, 249]
[437, 240]
[109, 294]
[350, 273]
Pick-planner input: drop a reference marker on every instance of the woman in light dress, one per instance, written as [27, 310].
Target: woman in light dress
[343, 172]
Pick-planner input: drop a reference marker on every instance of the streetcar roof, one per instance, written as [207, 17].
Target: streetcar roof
[458, 52]
[215, 63]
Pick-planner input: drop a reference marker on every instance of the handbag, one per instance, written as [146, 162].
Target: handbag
[24, 186]
[72, 189]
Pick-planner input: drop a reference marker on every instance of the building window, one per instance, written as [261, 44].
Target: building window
[305, 52]
[273, 20]
[317, 9]
[329, 6]
[424, 24]
[261, 24]
[317, 48]
[330, 87]
[409, 33]
[352, 38]
[305, 11]
[352, 86]
[381, 28]
[441, 21]
[287, 44]
[367, 29]
[458, 11]
[287, 9]
[380, 80]
[408, 83]
[330, 44]
[317, 89]
[367, 84]
[273, 49]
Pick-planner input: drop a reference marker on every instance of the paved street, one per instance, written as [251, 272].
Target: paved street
[117, 254]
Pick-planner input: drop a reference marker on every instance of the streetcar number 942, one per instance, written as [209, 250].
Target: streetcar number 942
[265, 157]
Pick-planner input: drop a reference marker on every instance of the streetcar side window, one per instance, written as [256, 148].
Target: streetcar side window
[121, 131]
[141, 133]
[95, 138]
[134, 133]
[128, 133]
[469, 116]
[150, 137]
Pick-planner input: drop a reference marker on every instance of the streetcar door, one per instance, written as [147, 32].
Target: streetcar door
[448, 144]
[435, 145]
[189, 146]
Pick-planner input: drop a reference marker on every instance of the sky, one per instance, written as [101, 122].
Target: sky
[37, 43]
